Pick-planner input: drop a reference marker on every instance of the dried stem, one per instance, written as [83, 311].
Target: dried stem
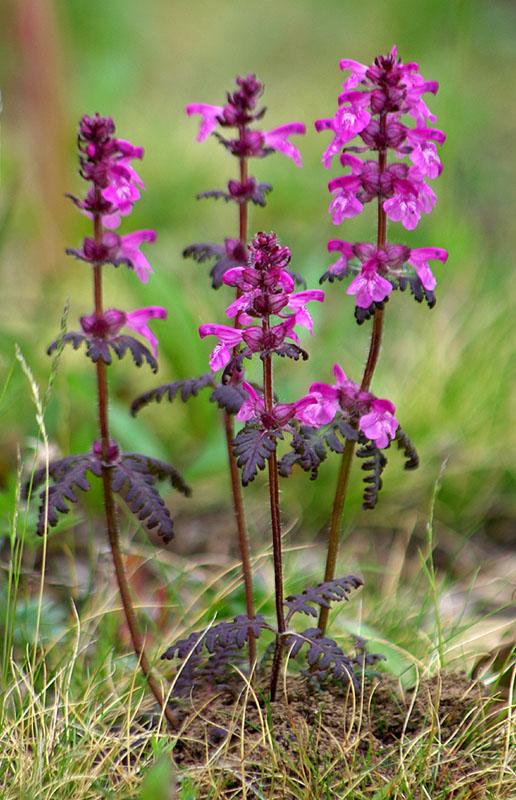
[349, 448]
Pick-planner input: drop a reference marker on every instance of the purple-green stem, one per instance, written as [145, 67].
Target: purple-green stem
[276, 527]
[110, 510]
[349, 447]
[229, 428]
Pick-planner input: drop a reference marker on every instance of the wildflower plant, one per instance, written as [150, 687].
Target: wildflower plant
[238, 116]
[105, 163]
[375, 104]
[263, 321]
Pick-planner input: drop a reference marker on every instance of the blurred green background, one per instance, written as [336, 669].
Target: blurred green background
[449, 371]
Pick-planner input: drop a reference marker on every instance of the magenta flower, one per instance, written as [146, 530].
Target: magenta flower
[369, 286]
[347, 122]
[109, 324]
[209, 117]
[122, 191]
[137, 321]
[254, 409]
[379, 424]
[278, 140]
[228, 338]
[345, 203]
[406, 205]
[419, 260]
[297, 303]
[129, 252]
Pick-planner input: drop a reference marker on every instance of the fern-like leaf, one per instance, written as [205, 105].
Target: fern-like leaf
[133, 478]
[252, 446]
[100, 349]
[223, 634]
[309, 446]
[323, 594]
[68, 474]
[190, 387]
[204, 251]
[323, 655]
[229, 397]
[408, 448]
[374, 466]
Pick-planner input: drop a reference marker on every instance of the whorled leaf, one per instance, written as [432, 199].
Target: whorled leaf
[374, 466]
[309, 446]
[287, 349]
[408, 448]
[204, 251]
[133, 478]
[229, 397]
[323, 655]
[257, 196]
[224, 634]
[252, 446]
[68, 474]
[323, 594]
[189, 387]
[100, 349]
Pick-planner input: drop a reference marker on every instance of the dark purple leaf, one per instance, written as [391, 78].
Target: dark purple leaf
[190, 387]
[321, 595]
[252, 447]
[68, 474]
[133, 478]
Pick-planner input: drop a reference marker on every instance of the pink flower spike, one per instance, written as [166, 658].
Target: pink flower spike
[137, 321]
[278, 140]
[228, 337]
[419, 260]
[369, 287]
[379, 424]
[129, 251]
[209, 117]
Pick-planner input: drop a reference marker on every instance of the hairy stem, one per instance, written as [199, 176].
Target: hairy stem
[243, 539]
[109, 505]
[276, 530]
[236, 489]
[349, 448]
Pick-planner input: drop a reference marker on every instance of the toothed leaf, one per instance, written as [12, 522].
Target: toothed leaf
[190, 387]
[252, 446]
[321, 595]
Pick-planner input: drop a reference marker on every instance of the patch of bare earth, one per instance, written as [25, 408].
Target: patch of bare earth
[437, 736]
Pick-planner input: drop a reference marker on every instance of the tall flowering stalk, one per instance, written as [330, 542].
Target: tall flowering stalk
[105, 163]
[237, 117]
[265, 291]
[372, 105]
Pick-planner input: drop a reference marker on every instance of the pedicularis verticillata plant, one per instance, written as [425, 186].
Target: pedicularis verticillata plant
[238, 115]
[105, 163]
[267, 315]
[389, 91]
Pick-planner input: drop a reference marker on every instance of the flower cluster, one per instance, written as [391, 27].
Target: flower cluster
[239, 112]
[115, 187]
[388, 90]
[265, 289]
[375, 417]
